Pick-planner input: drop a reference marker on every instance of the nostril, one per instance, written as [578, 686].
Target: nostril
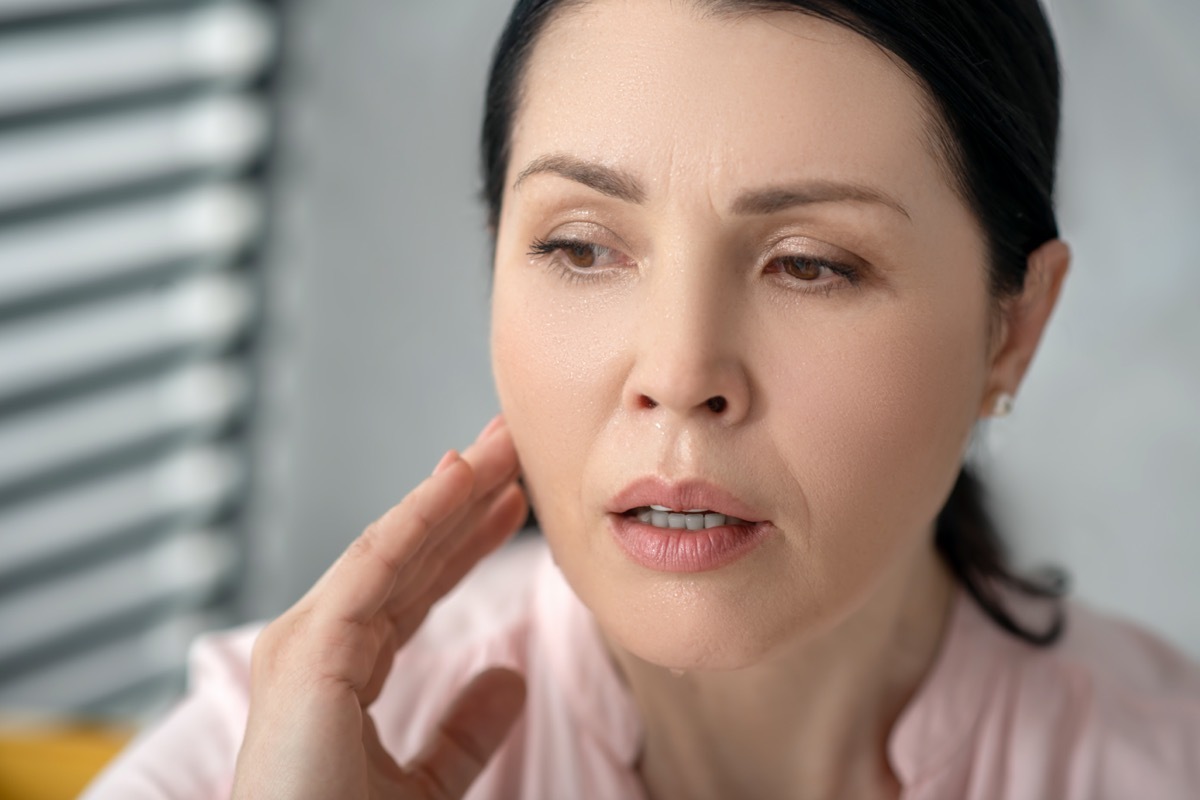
[717, 404]
[648, 402]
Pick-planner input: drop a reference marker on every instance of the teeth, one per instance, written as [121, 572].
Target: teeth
[662, 517]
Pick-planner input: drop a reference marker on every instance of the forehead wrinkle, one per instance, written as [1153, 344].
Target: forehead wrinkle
[938, 137]
[935, 134]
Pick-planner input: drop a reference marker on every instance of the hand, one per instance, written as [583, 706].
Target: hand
[316, 669]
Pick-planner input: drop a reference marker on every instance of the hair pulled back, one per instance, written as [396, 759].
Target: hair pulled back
[991, 69]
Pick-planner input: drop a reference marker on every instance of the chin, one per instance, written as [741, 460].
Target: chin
[723, 620]
[667, 648]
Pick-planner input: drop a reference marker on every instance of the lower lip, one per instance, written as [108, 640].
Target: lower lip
[675, 550]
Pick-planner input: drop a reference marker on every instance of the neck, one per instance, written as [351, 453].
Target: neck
[812, 720]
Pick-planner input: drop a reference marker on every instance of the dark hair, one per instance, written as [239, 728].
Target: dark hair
[991, 69]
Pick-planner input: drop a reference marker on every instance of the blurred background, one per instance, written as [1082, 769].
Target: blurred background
[243, 308]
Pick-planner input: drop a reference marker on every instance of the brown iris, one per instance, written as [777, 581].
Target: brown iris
[802, 268]
[580, 255]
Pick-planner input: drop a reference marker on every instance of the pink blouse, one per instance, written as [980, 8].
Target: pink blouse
[1109, 712]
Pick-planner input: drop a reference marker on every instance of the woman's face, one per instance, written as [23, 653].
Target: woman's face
[756, 212]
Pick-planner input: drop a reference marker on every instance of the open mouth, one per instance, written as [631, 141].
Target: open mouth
[685, 525]
[695, 519]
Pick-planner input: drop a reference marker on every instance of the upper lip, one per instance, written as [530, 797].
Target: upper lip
[682, 495]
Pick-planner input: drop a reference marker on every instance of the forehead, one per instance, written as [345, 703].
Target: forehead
[680, 95]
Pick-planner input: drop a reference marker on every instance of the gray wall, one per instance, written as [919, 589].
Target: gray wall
[380, 275]
[381, 285]
[1099, 468]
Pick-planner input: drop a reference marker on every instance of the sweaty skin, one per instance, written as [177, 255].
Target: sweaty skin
[729, 251]
[758, 212]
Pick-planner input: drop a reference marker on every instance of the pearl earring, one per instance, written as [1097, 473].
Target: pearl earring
[1003, 405]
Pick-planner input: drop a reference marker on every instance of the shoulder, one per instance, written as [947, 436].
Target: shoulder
[1116, 704]
[1121, 671]
[1110, 711]
[1138, 685]
[1124, 657]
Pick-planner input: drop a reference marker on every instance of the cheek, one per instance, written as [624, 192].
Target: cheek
[858, 433]
[879, 417]
[551, 359]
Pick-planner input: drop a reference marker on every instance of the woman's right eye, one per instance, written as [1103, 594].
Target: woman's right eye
[575, 257]
[581, 255]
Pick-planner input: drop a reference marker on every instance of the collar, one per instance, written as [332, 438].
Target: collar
[934, 726]
[598, 700]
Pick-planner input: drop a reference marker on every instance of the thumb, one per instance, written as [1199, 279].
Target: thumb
[471, 732]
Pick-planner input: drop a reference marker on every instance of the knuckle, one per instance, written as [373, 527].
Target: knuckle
[467, 751]
[371, 545]
[428, 780]
[361, 546]
[412, 508]
[276, 639]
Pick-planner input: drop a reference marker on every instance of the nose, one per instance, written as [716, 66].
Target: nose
[689, 355]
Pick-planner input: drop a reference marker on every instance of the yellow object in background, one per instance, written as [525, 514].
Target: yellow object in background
[54, 763]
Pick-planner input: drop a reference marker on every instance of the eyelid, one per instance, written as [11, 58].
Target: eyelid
[554, 244]
[815, 249]
[848, 270]
[586, 231]
[549, 252]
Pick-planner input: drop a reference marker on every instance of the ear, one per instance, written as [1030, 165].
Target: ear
[1023, 319]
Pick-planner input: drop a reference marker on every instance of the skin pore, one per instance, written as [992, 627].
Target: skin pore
[749, 207]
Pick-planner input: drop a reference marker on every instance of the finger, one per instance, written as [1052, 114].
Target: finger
[498, 516]
[462, 525]
[470, 733]
[503, 517]
[494, 423]
[493, 458]
[361, 581]
[383, 560]
[446, 461]
[318, 589]
[494, 466]
[504, 512]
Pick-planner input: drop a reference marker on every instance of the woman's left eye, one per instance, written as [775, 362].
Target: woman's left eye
[815, 273]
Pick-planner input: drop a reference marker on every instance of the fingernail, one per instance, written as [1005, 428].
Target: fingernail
[448, 459]
[492, 426]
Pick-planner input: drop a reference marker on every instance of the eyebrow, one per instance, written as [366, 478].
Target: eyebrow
[773, 200]
[606, 180]
[623, 186]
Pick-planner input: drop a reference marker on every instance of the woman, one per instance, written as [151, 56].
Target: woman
[760, 268]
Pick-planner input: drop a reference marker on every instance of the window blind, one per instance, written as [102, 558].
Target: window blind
[134, 137]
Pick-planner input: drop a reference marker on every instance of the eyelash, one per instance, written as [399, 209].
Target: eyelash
[850, 276]
[544, 248]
